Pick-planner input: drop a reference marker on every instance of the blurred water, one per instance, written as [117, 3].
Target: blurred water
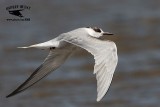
[135, 24]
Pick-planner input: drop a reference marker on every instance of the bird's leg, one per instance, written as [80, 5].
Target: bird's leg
[52, 48]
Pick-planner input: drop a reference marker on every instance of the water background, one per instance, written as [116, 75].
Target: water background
[136, 25]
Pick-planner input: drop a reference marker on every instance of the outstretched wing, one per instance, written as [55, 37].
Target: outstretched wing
[52, 62]
[105, 55]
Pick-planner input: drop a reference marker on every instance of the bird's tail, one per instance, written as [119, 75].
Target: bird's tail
[31, 46]
[44, 45]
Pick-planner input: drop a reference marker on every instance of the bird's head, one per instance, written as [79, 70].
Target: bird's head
[96, 32]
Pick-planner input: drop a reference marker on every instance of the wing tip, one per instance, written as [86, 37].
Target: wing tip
[8, 95]
[12, 94]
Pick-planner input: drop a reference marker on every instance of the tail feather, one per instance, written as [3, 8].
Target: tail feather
[31, 46]
[24, 47]
[44, 45]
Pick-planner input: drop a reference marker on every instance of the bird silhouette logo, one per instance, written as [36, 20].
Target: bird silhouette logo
[16, 12]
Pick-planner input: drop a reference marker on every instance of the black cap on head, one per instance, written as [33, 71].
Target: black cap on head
[96, 29]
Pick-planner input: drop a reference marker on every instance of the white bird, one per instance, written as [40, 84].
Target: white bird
[61, 47]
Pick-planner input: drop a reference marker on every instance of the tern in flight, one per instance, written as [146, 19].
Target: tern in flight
[61, 47]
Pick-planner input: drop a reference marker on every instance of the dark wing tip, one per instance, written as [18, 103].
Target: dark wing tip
[9, 95]
[19, 89]
[13, 93]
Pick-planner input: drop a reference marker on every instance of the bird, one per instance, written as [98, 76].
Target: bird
[62, 47]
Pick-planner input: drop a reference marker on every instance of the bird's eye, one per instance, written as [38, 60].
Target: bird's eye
[97, 30]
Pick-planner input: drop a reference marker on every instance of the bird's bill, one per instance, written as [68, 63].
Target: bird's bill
[107, 33]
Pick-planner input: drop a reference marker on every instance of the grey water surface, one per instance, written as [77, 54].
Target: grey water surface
[136, 25]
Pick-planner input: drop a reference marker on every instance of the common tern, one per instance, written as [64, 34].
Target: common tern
[61, 47]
